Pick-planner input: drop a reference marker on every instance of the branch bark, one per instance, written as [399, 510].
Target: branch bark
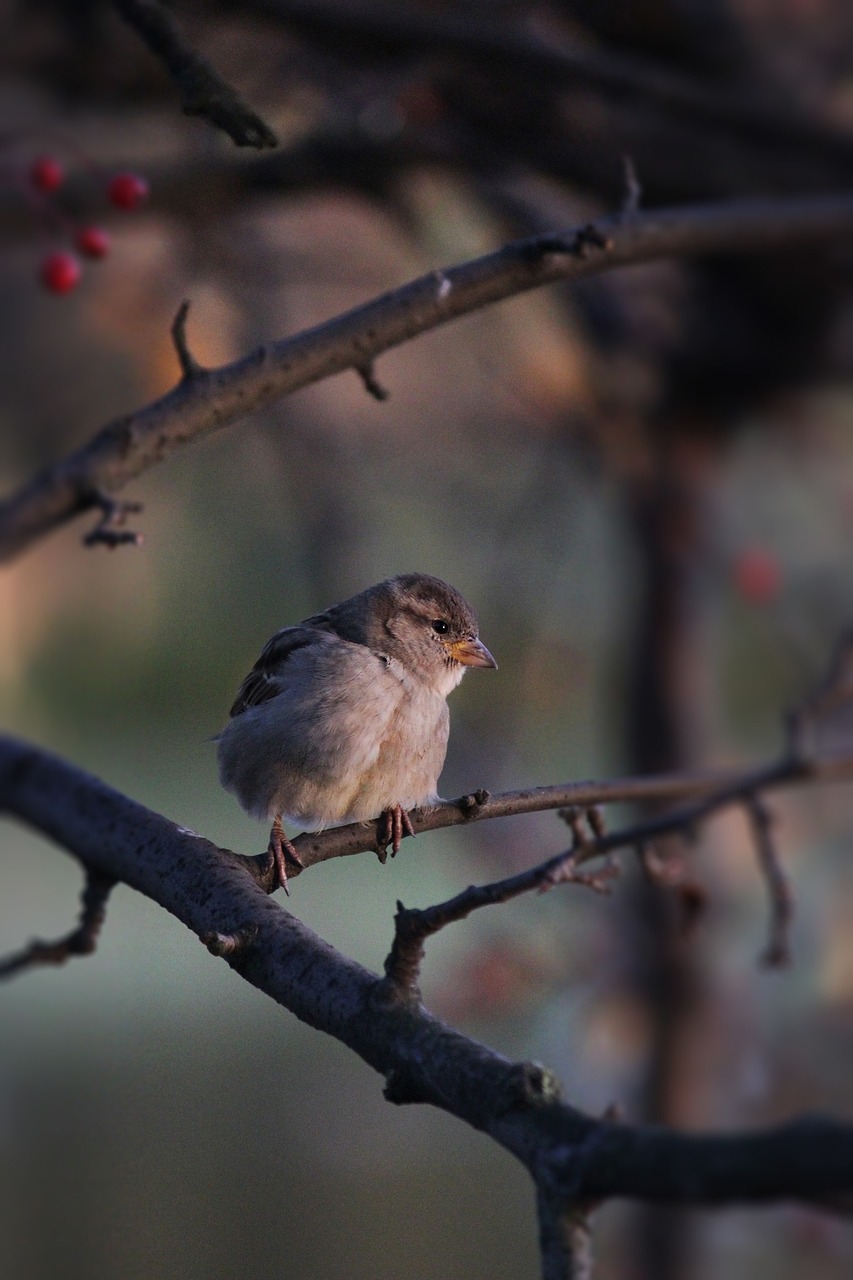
[214, 398]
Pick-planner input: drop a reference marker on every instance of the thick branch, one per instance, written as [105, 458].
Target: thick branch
[203, 90]
[576, 1159]
[213, 398]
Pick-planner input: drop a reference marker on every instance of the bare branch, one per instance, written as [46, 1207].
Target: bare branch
[82, 941]
[778, 950]
[190, 367]
[707, 790]
[413, 927]
[576, 1159]
[203, 90]
[214, 398]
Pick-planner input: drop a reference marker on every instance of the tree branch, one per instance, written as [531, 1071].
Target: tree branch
[575, 1160]
[203, 90]
[214, 398]
[708, 789]
[778, 950]
[80, 942]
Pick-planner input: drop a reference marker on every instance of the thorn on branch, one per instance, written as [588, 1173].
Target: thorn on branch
[371, 384]
[403, 962]
[82, 941]
[190, 367]
[228, 945]
[777, 953]
[109, 531]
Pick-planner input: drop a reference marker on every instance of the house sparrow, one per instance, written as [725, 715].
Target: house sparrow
[344, 717]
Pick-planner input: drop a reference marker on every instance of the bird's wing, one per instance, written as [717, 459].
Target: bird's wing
[269, 674]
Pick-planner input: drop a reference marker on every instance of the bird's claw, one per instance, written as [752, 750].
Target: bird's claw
[394, 823]
[280, 851]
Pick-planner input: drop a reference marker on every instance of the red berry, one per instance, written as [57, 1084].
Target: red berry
[127, 190]
[93, 242]
[46, 174]
[757, 576]
[60, 272]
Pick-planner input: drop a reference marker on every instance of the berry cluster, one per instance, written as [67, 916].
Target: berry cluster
[61, 270]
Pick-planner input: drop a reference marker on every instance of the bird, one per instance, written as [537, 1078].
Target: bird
[344, 716]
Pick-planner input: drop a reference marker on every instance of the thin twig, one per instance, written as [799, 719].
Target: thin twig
[203, 90]
[81, 941]
[372, 385]
[721, 787]
[190, 367]
[413, 927]
[777, 953]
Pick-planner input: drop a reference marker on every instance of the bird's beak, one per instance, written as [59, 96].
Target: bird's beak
[471, 653]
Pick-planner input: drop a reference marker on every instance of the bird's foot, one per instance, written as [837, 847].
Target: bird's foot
[280, 851]
[393, 824]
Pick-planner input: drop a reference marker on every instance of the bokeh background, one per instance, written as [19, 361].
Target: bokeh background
[645, 487]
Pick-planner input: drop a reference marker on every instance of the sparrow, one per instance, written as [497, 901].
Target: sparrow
[344, 717]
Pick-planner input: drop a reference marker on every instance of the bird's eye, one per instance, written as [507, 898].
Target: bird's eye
[439, 625]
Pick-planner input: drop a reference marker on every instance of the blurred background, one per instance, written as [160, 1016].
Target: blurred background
[644, 485]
